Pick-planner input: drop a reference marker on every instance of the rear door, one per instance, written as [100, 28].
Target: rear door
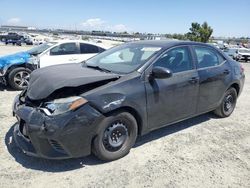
[173, 98]
[214, 74]
[60, 54]
[88, 50]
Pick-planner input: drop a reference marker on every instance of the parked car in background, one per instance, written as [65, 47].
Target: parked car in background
[14, 42]
[15, 69]
[231, 52]
[38, 41]
[242, 54]
[69, 52]
[103, 104]
[28, 41]
[11, 37]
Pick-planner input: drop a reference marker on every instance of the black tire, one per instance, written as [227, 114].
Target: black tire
[18, 78]
[116, 136]
[228, 104]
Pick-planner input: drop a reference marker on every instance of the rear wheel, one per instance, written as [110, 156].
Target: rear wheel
[228, 104]
[116, 136]
[18, 78]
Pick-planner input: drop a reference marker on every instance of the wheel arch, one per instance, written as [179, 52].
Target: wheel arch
[24, 65]
[133, 112]
[236, 86]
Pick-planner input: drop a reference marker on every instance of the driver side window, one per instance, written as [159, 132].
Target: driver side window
[64, 49]
[177, 60]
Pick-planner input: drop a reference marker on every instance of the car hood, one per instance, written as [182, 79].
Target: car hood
[17, 58]
[43, 82]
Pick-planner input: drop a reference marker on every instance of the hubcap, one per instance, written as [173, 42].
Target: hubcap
[22, 78]
[228, 103]
[115, 136]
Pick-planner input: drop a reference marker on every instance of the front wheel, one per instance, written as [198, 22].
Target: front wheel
[18, 78]
[116, 135]
[228, 104]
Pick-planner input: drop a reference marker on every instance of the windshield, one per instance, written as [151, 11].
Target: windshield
[244, 51]
[123, 59]
[39, 49]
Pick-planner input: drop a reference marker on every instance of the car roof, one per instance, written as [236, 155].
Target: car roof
[169, 43]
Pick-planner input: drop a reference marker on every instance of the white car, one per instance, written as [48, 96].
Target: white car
[242, 54]
[16, 68]
[231, 52]
[68, 52]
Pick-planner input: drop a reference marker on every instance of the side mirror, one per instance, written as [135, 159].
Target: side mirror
[161, 72]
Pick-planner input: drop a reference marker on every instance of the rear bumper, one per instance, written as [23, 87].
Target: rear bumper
[64, 136]
[242, 82]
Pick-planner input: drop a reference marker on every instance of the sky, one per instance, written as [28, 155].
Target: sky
[228, 18]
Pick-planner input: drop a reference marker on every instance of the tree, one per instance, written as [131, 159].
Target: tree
[176, 36]
[179, 36]
[200, 33]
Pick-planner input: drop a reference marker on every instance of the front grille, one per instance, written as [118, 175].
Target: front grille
[57, 146]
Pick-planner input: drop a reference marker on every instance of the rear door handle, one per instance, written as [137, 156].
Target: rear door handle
[226, 71]
[193, 80]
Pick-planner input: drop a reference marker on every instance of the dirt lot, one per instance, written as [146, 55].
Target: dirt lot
[9, 49]
[201, 152]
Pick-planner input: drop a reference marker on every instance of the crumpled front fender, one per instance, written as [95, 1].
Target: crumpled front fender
[15, 59]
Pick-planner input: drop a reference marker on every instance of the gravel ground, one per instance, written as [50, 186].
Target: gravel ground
[9, 49]
[201, 152]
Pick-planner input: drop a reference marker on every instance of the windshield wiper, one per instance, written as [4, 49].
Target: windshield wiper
[98, 68]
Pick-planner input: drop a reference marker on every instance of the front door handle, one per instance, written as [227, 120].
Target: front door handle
[193, 80]
[226, 71]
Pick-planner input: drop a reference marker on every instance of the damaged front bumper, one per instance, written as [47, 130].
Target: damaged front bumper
[67, 135]
[2, 77]
[3, 80]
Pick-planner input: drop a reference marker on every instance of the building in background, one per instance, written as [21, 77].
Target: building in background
[16, 28]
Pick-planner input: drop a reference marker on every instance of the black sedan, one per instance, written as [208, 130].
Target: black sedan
[103, 104]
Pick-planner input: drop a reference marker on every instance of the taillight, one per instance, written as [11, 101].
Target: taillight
[241, 68]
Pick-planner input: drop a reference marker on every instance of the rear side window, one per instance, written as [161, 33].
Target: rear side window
[64, 49]
[89, 49]
[177, 60]
[207, 57]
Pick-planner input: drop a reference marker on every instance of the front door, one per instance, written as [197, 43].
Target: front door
[60, 54]
[174, 98]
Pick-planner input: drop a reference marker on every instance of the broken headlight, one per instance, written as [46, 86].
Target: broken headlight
[33, 60]
[60, 106]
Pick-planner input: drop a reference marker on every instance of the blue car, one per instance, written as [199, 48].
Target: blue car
[15, 69]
